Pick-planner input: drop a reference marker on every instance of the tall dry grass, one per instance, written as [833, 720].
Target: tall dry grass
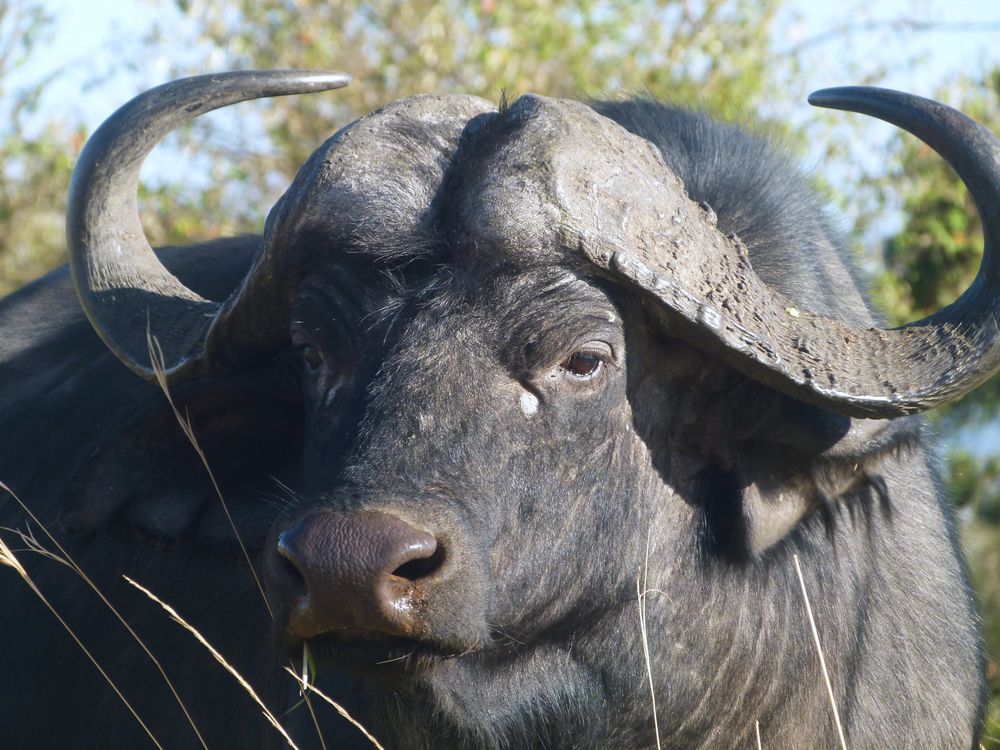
[61, 556]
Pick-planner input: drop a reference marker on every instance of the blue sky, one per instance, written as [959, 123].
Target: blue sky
[88, 33]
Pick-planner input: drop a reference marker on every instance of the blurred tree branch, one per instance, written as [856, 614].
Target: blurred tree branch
[36, 166]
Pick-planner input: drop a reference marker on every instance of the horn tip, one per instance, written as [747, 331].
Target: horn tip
[872, 100]
[835, 96]
[322, 80]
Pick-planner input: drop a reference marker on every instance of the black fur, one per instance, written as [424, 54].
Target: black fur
[668, 468]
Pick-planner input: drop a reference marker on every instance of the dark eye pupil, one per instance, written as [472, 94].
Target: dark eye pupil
[582, 364]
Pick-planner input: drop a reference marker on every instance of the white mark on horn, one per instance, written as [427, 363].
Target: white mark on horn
[529, 403]
[709, 316]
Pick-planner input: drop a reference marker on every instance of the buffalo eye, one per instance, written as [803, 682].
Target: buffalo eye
[310, 352]
[582, 365]
[312, 356]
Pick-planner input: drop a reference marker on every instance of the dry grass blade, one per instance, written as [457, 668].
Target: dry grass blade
[66, 559]
[218, 657]
[156, 360]
[641, 590]
[306, 661]
[756, 726]
[8, 558]
[819, 652]
[307, 687]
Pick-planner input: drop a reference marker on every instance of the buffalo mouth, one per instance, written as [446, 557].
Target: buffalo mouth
[365, 651]
[374, 655]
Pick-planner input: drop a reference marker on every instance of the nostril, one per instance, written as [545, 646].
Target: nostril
[422, 567]
[356, 572]
[291, 572]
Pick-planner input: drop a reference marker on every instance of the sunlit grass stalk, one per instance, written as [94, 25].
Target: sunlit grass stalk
[641, 590]
[306, 663]
[65, 558]
[819, 652]
[218, 657]
[156, 360]
[7, 558]
[306, 686]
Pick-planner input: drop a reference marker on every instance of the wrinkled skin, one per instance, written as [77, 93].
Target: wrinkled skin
[538, 421]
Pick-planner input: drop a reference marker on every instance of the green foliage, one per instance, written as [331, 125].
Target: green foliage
[935, 256]
[982, 545]
[35, 165]
[714, 52]
[974, 483]
[928, 264]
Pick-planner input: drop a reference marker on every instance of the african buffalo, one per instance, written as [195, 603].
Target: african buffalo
[486, 374]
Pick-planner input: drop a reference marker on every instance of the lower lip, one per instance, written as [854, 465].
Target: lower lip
[374, 655]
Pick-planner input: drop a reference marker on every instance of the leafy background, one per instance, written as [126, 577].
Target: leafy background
[741, 60]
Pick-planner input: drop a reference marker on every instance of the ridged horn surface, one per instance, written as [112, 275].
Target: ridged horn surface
[124, 289]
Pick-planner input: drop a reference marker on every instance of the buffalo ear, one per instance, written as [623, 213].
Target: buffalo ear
[145, 477]
[754, 462]
[782, 476]
[760, 514]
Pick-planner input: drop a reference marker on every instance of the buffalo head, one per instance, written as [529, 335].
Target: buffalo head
[533, 369]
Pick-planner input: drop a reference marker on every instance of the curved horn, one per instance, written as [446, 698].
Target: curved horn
[631, 216]
[124, 289]
[873, 372]
[950, 352]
